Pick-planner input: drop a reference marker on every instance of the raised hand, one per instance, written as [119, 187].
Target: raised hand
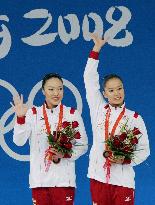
[19, 107]
[99, 42]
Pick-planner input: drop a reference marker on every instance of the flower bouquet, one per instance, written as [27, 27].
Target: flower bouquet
[62, 141]
[123, 145]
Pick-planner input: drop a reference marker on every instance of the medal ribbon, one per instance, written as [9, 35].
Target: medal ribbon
[107, 164]
[47, 122]
[48, 153]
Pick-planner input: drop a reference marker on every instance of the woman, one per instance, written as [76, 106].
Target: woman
[52, 173]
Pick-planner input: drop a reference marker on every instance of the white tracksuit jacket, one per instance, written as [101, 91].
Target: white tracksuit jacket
[58, 175]
[121, 175]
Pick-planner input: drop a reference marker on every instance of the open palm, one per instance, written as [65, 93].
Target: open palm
[98, 42]
[19, 107]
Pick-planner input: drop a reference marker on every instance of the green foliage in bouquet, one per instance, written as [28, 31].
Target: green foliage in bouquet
[64, 139]
[124, 144]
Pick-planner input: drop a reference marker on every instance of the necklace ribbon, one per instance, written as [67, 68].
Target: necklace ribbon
[107, 164]
[48, 153]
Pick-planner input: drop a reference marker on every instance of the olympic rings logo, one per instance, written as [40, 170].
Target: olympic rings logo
[7, 128]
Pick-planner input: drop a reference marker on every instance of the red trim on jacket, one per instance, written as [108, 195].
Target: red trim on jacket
[34, 110]
[94, 55]
[72, 110]
[136, 114]
[21, 120]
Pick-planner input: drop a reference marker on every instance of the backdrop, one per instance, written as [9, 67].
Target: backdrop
[37, 37]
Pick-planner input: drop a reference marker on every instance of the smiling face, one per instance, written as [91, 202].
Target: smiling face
[114, 92]
[53, 91]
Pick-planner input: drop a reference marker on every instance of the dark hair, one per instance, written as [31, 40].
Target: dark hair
[49, 76]
[109, 77]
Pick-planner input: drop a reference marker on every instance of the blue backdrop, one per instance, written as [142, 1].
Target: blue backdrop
[37, 37]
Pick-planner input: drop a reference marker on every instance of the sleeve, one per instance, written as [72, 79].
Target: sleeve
[81, 145]
[142, 149]
[22, 129]
[91, 80]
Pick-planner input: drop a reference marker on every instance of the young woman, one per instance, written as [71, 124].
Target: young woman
[55, 185]
[111, 178]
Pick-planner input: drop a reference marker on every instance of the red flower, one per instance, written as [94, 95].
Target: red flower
[136, 131]
[134, 141]
[123, 136]
[117, 143]
[127, 161]
[65, 124]
[68, 145]
[77, 135]
[75, 124]
[67, 155]
[34, 110]
[126, 149]
[63, 139]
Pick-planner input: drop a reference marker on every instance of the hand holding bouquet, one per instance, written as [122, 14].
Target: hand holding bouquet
[62, 141]
[121, 148]
[124, 145]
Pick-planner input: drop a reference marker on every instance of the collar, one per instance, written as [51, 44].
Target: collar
[54, 109]
[117, 109]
